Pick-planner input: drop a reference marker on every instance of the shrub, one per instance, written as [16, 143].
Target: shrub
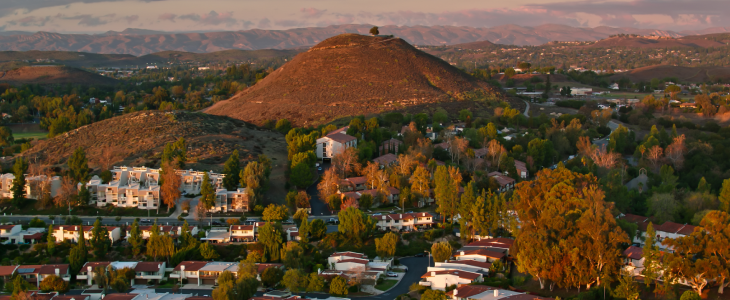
[577, 104]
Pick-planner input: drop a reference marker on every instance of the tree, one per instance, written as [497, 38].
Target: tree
[301, 175]
[385, 246]
[100, 241]
[690, 295]
[207, 251]
[232, 170]
[53, 283]
[283, 126]
[663, 206]
[713, 238]
[186, 239]
[346, 161]
[315, 283]
[441, 251]
[420, 182]
[270, 236]
[292, 254]
[77, 258]
[725, 196]
[447, 190]
[293, 280]
[355, 223]
[510, 72]
[275, 213]
[433, 295]
[51, 247]
[6, 136]
[627, 287]
[338, 287]
[374, 30]
[652, 256]
[135, 239]
[207, 193]
[271, 276]
[317, 229]
[78, 166]
[566, 232]
[20, 168]
[170, 186]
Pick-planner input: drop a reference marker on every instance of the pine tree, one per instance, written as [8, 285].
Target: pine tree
[51, 247]
[207, 193]
[18, 189]
[135, 238]
[78, 166]
[232, 169]
[100, 240]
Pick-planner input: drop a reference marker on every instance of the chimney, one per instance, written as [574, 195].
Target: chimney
[58, 272]
[383, 217]
[496, 293]
[433, 274]
[462, 252]
[456, 292]
[401, 216]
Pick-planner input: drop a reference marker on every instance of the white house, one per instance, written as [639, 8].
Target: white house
[409, 221]
[439, 280]
[71, 232]
[482, 255]
[333, 143]
[465, 265]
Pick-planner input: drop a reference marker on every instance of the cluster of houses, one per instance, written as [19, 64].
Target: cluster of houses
[354, 187]
[139, 187]
[470, 264]
[15, 234]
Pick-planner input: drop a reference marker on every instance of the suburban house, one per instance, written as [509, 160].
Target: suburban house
[465, 265]
[385, 160]
[353, 184]
[217, 235]
[14, 234]
[505, 183]
[493, 244]
[87, 271]
[243, 233]
[390, 146]
[34, 274]
[6, 272]
[8, 231]
[175, 231]
[352, 262]
[149, 271]
[440, 280]
[407, 221]
[481, 292]
[663, 231]
[634, 261]
[207, 273]
[482, 255]
[466, 292]
[521, 169]
[333, 143]
[71, 232]
[188, 270]
[292, 234]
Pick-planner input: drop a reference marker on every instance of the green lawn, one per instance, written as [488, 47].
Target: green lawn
[34, 135]
[24, 131]
[386, 285]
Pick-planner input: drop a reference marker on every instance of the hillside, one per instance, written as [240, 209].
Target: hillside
[53, 75]
[475, 45]
[141, 42]
[220, 56]
[684, 74]
[640, 42]
[139, 138]
[346, 75]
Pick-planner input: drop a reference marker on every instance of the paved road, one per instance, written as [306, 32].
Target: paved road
[527, 109]
[319, 207]
[604, 141]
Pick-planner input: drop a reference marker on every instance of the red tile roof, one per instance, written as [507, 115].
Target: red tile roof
[523, 297]
[45, 296]
[120, 296]
[341, 137]
[261, 267]
[94, 264]
[35, 236]
[466, 291]
[148, 266]
[51, 269]
[482, 252]
[641, 221]
[31, 268]
[349, 253]
[7, 227]
[72, 297]
[351, 195]
[7, 270]
[357, 180]
[687, 229]
[354, 260]
[669, 227]
[634, 253]
[190, 265]
[459, 273]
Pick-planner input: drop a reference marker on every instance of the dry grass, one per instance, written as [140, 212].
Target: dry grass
[349, 75]
[54, 75]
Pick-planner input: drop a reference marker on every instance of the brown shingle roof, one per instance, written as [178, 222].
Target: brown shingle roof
[341, 137]
[261, 267]
[354, 260]
[51, 269]
[147, 266]
[669, 227]
[358, 180]
[191, 265]
[501, 179]
[634, 252]
[242, 227]
[473, 263]
[466, 291]
[7, 227]
[7, 270]
[386, 159]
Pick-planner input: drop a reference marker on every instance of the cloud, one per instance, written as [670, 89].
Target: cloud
[30, 21]
[264, 23]
[290, 23]
[167, 17]
[211, 18]
[312, 13]
[131, 18]
[525, 16]
[10, 6]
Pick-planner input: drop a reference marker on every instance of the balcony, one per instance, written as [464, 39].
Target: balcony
[148, 276]
[209, 276]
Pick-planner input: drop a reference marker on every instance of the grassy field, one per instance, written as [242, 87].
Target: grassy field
[387, 284]
[24, 131]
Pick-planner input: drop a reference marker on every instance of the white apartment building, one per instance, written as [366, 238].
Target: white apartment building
[14, 234]
[71, 232]
[226, 200]
[407, 221]
[333, 143]
[32, 185]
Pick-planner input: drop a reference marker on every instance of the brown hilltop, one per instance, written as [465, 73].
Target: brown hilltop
[683, 74]
[346, 75]
[642, 42]
[53, 75]
[137, 139]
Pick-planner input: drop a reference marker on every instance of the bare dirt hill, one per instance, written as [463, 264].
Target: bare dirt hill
[346, 75]
[139, 138]
[53, 75]
[640, 42]
[684, 74]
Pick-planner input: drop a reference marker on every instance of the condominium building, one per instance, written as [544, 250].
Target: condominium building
[33, 185]
[71, 232]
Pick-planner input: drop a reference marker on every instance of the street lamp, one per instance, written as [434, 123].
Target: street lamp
[429, 258]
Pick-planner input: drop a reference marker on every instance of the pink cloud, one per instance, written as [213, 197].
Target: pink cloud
[167, 17]
[312, 12]
[131, 18]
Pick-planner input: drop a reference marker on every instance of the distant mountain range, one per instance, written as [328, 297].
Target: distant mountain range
[143, 41]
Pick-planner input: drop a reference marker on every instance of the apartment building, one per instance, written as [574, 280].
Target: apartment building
[407, 221]
[226, 200]
[33, 185]
[333, 143]
[71, 232]
[192, 180]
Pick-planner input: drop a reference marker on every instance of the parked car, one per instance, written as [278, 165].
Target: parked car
[377, 214]
[392, 274]
[216, 223]
[420, 254]
[333, 221]
[145, 221]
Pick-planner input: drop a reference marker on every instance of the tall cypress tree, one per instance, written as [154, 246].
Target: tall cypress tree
[20, 167]
[99, 240]
[231, 169]
[207, 193]
[135, 238]
[78, 165]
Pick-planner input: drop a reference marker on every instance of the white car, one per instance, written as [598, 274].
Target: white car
[392, 274]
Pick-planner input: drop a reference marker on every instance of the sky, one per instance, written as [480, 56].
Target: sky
[94, 16]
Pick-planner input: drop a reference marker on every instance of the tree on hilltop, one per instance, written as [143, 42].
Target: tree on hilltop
[374, 30]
